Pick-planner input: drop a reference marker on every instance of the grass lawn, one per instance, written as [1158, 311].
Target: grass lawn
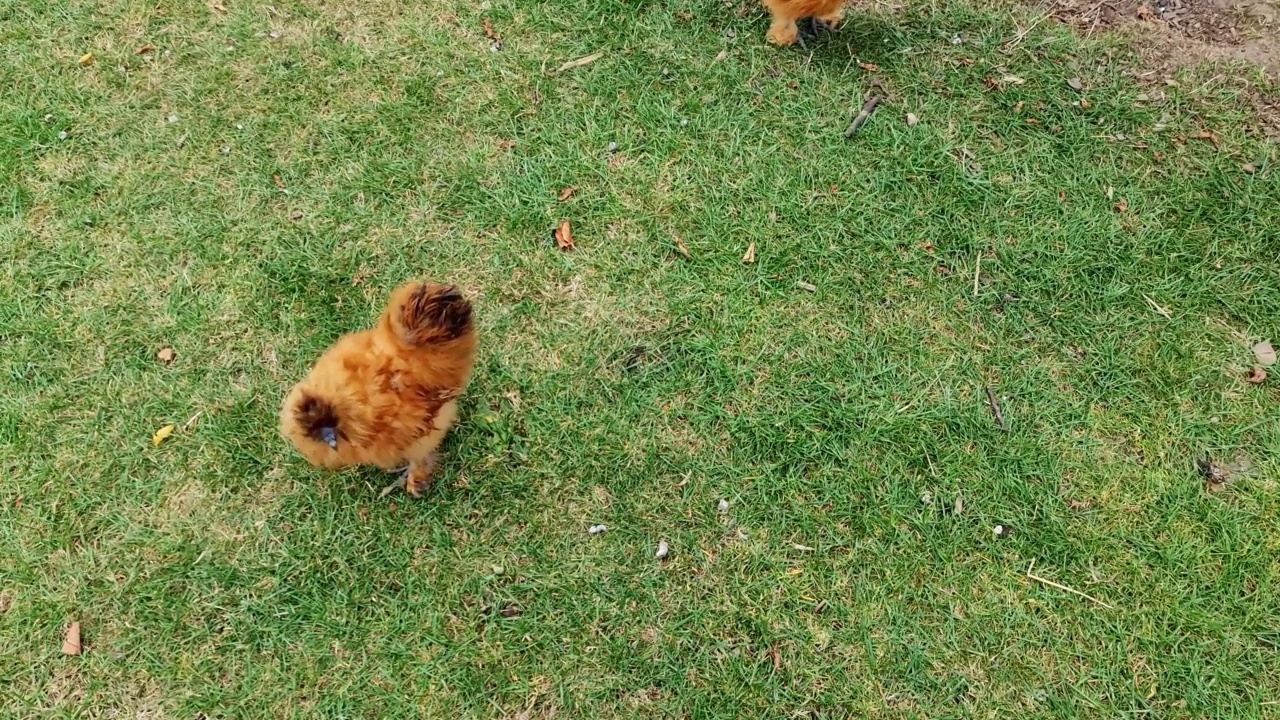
[242, 184]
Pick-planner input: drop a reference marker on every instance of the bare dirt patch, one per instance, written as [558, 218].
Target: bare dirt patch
[1187, 31]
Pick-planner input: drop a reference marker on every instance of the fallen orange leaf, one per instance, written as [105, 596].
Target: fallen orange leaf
[1257, 377]
[564, 236]
[71, 643]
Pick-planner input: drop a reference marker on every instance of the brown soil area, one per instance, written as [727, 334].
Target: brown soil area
[1186, 31]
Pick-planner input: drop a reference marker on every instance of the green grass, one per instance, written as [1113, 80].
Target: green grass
[218, 576]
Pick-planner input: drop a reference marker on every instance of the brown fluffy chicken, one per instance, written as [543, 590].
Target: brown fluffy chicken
[784, 30]
[388, 395]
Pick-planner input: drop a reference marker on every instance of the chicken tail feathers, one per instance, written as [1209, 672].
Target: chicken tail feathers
[428, 314]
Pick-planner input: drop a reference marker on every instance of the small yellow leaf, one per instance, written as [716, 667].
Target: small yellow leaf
[85, 60]
[795, 571]
[161, 434]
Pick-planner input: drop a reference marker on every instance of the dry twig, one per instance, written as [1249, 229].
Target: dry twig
[995, 409]
[863, 115]
[1064, 588]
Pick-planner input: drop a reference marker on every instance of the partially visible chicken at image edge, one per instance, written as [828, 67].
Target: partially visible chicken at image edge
[785, 13]
[388, 395]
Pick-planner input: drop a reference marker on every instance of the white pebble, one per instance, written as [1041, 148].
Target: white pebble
[225, 149]
[613, 147]
[275, 34]
[597, 529]
[926, 498]
[663, 550]
[173, 118]
[48, 118]
[684, 123]
[239, 126]
[722, 507]
[62, 135]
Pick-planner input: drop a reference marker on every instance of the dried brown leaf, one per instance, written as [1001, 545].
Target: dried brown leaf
[1079, 504]
[564, 236]
[750, 255]
[1075, 84]
[567, 193]
[869, 67]
[166, 355]
[1206, 135]
[681, 247]
[807, 286]
[1122, 206]
[1257, 377]
[685, 15]
[1249, 168]
[145, 50]
[279, 181]
[488, 30]
[511, 611]
[71, 643]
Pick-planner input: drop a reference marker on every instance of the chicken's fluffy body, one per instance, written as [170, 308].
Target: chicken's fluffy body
[387, 396]
[784, 31]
